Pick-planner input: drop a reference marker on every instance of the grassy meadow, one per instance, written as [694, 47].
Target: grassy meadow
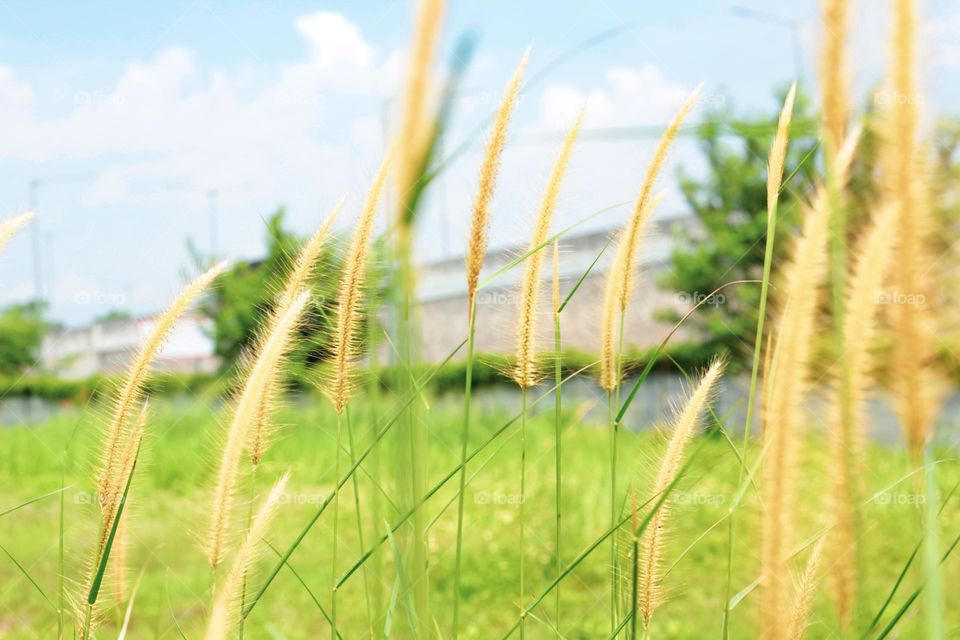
[379, 509]
[173, 494]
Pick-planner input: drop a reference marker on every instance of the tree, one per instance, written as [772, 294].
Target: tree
[244, 296]
[729, 204]
[22, 327]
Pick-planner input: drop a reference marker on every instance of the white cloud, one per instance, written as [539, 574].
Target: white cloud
[167, 121]
[626, 97]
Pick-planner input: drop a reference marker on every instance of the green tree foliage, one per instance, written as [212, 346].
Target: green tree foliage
[22, 327]
[245, 294]
[728, 202]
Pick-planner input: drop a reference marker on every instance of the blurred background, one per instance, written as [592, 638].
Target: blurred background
[152, 139]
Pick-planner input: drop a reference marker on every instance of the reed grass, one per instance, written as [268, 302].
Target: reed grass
[340, 385]
[785, 387]
[225, 612]
[619, 286]
[649, 592]
[525, 372]
[914, 378]
[873, 258]
[476, 252]
[806, 591]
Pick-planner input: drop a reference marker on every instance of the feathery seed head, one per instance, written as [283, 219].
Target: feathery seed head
[350, 297]
[833, 71]
[489, 168]
[298, 281]
[787, 382]
[874, 255]
[805, 592]
[778, 151]
[525, 372]
[226, 610]
[617, 293]
[252, 404]
[9, 228]
[132, 389]
[415, 124]
[643, 207]
[685, 424]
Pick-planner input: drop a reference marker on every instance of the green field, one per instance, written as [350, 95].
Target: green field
[172, 490]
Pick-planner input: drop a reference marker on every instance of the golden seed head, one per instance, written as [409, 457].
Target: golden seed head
[350, 296]
[525, 371]
[489, 168]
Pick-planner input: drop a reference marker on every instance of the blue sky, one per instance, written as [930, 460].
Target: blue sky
[129, 113]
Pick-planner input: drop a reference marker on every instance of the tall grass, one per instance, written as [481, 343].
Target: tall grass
[435, 471]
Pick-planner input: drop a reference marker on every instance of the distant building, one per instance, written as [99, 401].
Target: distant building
[443, 296]
[108, 347]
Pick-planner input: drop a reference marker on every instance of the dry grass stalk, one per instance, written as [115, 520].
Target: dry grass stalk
[416, 119]
[226, 605]
[350, 296]
[835, 18]
[778, 151]
[912, 359]
[489, 168]
[805, 592]
[297, 281]
[643, 208]
[874, 257]
[787, 382]
[263, 373]
[650, 592]
[613, 306]
[9, 228]
[525, 372]
[132, 390]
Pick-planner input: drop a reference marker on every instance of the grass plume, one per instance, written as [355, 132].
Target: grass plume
[642, 209]
[226, 609]
[874, 256]
[350, 296]
[912, 358]
[298, 280]
[525, 372]
[132, 390]
[805, 592]
[415, 123]
[833, 71]
[686, 422]
[9, 228]
[251, 402]
[786, 384]
[489, 168]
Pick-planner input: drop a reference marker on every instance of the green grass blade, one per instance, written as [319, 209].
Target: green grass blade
[105, 556]
[26, 574]
[411, 397]
[33, 500]
[313, 597]
[563, 305]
